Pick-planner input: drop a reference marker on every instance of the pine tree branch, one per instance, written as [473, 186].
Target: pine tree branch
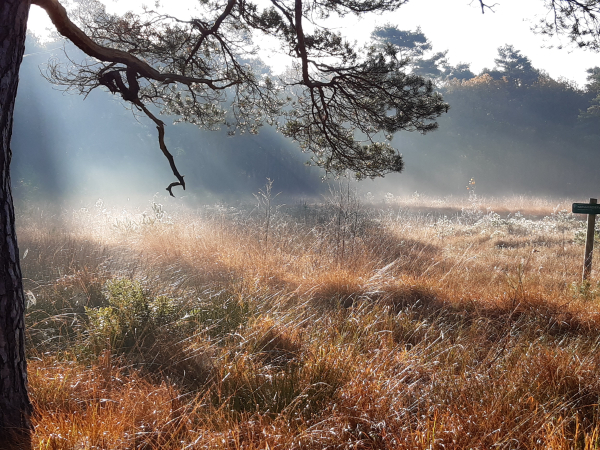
[64, 25]
[160, 126]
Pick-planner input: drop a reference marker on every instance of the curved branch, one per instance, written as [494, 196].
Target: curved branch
[213, 29]
[160, 126]
[113, 79]
[64, 25]
[485, 5]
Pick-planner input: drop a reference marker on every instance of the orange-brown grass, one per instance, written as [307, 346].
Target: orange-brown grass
[418, 323]
[101, 406]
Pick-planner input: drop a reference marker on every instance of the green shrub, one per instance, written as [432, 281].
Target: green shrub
[131, 320]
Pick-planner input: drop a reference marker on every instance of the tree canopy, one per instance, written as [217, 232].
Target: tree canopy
[513, 128]
[579, 20]
[511, 64]
[339, 102]
[415, 49]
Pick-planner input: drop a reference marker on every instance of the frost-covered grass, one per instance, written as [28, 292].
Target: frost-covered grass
[410, 323]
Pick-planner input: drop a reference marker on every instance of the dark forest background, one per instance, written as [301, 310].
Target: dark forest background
[512, 128]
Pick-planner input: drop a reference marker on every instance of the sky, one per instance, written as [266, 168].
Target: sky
[454, 25]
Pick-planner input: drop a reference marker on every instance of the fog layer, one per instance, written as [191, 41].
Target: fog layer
[512, 132]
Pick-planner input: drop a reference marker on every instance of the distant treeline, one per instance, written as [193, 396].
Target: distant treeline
[512, 128]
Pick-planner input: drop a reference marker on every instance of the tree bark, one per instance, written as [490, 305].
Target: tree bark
[15, 408]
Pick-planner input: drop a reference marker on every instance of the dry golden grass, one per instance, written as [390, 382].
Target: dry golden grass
[417, 324]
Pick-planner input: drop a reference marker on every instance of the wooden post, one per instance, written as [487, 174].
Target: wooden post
[589, 244]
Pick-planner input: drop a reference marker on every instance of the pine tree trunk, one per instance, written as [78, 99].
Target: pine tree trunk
[15, 408]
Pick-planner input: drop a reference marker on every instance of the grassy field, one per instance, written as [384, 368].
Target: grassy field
[415, 323]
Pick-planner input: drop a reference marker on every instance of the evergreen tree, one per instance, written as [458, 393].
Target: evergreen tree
[411, 46]
[513, 65]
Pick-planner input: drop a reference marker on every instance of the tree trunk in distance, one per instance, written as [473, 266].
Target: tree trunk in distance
[15, 408]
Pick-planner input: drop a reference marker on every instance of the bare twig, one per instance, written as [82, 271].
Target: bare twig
[485, 6]
[160, 126]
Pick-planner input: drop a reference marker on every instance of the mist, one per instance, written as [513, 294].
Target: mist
[510, 137]
[68, 148]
